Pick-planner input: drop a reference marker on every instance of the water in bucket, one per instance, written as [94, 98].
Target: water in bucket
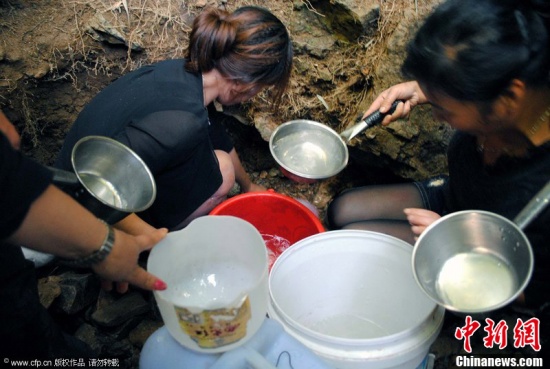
[350, 297]
[275, 246]
[214, 285]
[216, 272]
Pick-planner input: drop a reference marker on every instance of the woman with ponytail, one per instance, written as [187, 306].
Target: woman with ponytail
[160, 112]
[483, 65]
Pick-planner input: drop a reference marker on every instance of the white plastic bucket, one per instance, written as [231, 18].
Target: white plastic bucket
[350, 297]
[216, 272]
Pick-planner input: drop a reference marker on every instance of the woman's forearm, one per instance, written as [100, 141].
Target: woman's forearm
[57, 224]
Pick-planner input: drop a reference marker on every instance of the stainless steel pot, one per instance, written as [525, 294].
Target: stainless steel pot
[109, 179]
[307, 151]
[476, 261]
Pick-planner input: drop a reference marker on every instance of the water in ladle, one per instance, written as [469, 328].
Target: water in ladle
[302, 153]
[475, 281]
[103, 190]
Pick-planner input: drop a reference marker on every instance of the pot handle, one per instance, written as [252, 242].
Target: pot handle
[64, 179]
[534, 207]
[377, 117]
[368, 122]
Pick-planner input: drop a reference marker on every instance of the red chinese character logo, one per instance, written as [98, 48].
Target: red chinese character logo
[527, 333]
[466, 332]
[496, 334]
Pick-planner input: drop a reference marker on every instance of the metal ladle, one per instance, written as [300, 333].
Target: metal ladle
[368, 122]
[468, 235]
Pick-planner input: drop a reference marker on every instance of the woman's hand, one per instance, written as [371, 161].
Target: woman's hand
[242, 177]
[409, 92]
[58, 225]
[133, 225]
[420, 219]
[121, 265]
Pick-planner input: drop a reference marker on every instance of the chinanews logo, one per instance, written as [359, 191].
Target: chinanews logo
[525, 334]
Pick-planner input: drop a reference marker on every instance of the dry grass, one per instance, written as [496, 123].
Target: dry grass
[352, 66]
[158, 27]
[161, 28]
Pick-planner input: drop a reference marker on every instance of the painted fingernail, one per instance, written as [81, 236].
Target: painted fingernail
[159, 285]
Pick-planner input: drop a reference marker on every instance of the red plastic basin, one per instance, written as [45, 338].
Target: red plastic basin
[280, 219]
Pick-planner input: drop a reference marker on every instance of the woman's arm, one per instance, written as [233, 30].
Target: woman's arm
[241, 176]
[58, 225]
[134, 225]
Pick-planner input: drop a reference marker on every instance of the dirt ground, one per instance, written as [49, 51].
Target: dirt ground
[52, 63]
[55, 55]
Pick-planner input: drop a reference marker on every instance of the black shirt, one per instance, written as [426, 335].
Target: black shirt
[26, 329]
[504, 188]
[22, 180]
[158, 111]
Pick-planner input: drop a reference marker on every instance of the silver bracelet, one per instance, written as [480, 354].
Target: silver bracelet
[97, 256]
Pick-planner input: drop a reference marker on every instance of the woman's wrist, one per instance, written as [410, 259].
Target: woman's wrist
[97, 256]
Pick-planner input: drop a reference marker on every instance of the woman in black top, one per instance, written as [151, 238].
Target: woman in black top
[160, 111]
[35, 213]
[483, 65]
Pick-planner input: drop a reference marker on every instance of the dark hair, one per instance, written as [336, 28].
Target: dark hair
[471, 50]
[250, 45]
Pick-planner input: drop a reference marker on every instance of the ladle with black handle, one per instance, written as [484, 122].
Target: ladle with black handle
[368, 122]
